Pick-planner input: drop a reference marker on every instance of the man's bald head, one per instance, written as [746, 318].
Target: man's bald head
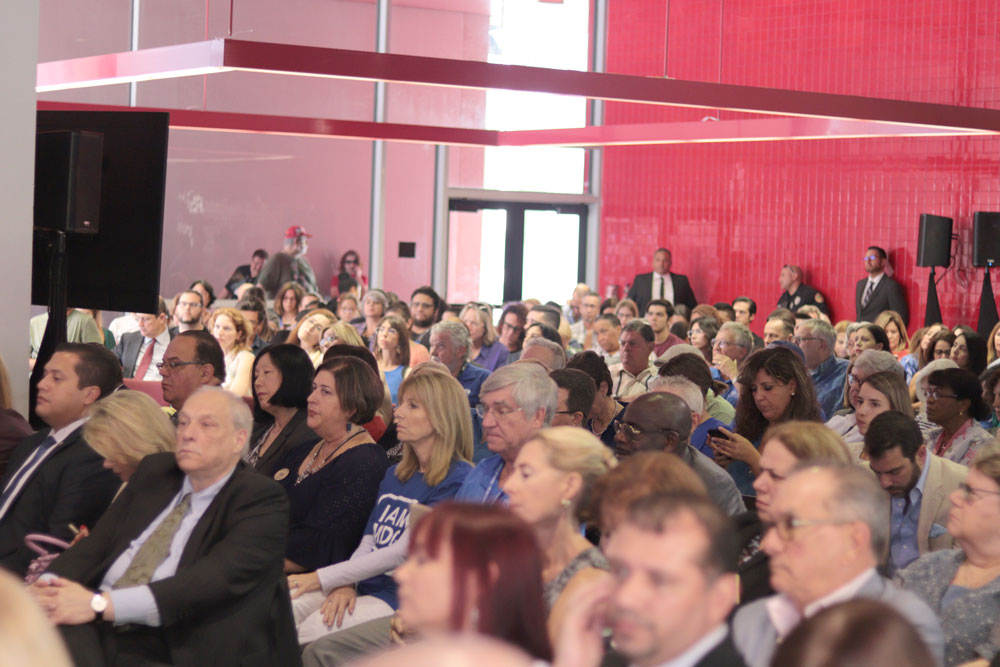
[659, 421]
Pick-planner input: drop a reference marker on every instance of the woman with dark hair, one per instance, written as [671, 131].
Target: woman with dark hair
[606, 412]
[511, 329]
[332, 483]
[969, 350]
[626, 311]
[542, 330]
[895, 331]
[391, 348]
[486, 350]
[870, 337]
[287, 301]
[993, 347]
[940, 345]
[775, 387]
[204, 288]
[350, 268]
[282, 382]
[857, 633]
[991, 394]
[955, 403]
[435, 427]
[701, 334]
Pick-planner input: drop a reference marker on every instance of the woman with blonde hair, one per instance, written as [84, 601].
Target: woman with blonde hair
[626, 311]
[486, 350]
[340, 332]
[880, 392]
[308, 333]
[287, 301]
[892, 324]
[13, 427]
[434, 424]
[840, 349]
[391, 347]
[28, 638]
[993, 347]
[234, 334]
[124, 428]
[550, 489]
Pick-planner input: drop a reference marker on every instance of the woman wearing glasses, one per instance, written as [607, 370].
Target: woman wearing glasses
[391, 348]
[963, 585]
[308, 333]
[955, 403]
[350, 267]
[486, 349]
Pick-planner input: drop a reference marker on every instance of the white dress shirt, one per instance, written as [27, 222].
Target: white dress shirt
[21, 479]
[785, 616]
[160, 346]
[668, 287]
[699, 649]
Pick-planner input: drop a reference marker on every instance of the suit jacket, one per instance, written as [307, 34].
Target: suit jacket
[70, 487]
[127, 351]
[723, 655]
[943, 477]
[642, 291]
[756, 637]
[228, 603]
[296, 432]
[888, 295]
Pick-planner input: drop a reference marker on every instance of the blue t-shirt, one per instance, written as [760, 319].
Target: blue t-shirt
[393, 379]
[389, 517]
[699, 437]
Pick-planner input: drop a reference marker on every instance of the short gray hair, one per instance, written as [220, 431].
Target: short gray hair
[456, 332]
[821, 329]
[239, 411]
[643, 327]
[744, 338]
[558, 353]
[857, 496]
[854, 326]
[533, 388]
[870, 362]
[682, 388]
[378, 296]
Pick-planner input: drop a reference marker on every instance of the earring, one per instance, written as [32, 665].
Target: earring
[349, 426]
[565, 503]
[793, 393]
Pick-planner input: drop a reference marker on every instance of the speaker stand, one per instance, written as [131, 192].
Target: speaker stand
[988, 316]
[932, 315]
[55, 329]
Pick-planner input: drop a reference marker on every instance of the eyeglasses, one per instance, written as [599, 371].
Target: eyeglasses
[724, 343]
[787, 525]
[631, 431]
[499, 411]
[867, 257]
[566, 412]
[970, 491]
[692, 332]
[174, 365]
[935, 393]
[350, 261]
[798, 340]
[853, 379]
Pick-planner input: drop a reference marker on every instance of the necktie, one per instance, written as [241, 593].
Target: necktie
[868, 294]
[661, 288]
[155, 549]
[25, 470]
[147, 359]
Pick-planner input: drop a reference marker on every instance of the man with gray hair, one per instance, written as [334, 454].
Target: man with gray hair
[731, 346]
[187, 565]
[829, 534]
[631, 377]
[289, 264]
[515, 402]
[545, 351]
[817, 339]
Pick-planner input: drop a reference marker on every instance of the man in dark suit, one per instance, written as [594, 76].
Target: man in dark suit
[140, 351]
[54, 480]
[661, 284]
[186, 567]
[878, 291]
[673, 558]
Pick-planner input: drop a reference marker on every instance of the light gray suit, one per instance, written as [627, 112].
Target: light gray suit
[756, 638]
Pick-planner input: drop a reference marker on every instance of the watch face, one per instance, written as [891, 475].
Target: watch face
[98, 603]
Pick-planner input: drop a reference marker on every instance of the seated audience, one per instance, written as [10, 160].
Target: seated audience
[418, 353]
[391, 348]
[869, 336]
[895, 331]
[919, 386]
[348, 308]
[192, 360]
[516, 401]
[341, 333]
[675, 541]
[150, 587]
[27, 636]
[969, 351]
[13, 427]
[125, 428]
[777, 389]
[605, 412]
[551, 355]
[626, 311]
[510, 330]
[607, 330]
[255, 313]
[373, 307]
[816, 339]
[919, 484]
[941, 344]
[54, 480]
[661, 422]
[583, 328]
[631, 377]
[436, 432]
[80, 328]
[658, 314]
[840, 347]
[571, 311]
[332, 484]
[140, 351]
[548, 488]
[868, 363]
[993, 347]
[282, 382]
[963, 585]
[450, 343]
[425, 306]
[991, 394]
[575, 392]
[879, 393]
[485, 350]
[287, 303]
[730, 347]
[701, 334]
[829, 533]
[779, 326]
[686, 360]
[542, 330]
[234, 335]
[246, 273]
[308, 333]
[955, 403]
[692, 367]
[207, 292]
[855, 633]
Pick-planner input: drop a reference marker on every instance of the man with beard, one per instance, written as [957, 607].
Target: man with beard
[425, 309]
[189, 309]
[919, 484]
[289, 264]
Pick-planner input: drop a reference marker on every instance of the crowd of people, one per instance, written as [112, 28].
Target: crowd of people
[314, 479]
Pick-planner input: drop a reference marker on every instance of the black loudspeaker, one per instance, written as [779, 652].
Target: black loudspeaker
[986, 239]
[934, 244]
[68, 181]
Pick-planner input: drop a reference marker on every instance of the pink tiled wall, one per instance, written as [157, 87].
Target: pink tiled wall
[734, 213]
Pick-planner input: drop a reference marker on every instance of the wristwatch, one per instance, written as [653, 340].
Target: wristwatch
[99, 603]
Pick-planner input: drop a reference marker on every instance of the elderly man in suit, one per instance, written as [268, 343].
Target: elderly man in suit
[661, 284]
[674, 561]
[140, 351]
[878, 291]
[54, 480]
[919, 484]
[186, 567]
[829, 534]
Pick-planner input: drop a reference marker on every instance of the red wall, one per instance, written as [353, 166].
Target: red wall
[734, 213]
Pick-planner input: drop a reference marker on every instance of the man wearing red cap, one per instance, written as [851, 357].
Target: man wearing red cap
[289, 264]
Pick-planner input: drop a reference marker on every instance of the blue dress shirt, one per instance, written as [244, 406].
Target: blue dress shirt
[828, 379]
[904, 516]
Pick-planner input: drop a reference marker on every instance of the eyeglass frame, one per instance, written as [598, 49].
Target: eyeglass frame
[786, 525]
[174, 365]
[482, 410]
[635, 432]
[971, 491]
[724, 343]
[799, 339]
[933, 392]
